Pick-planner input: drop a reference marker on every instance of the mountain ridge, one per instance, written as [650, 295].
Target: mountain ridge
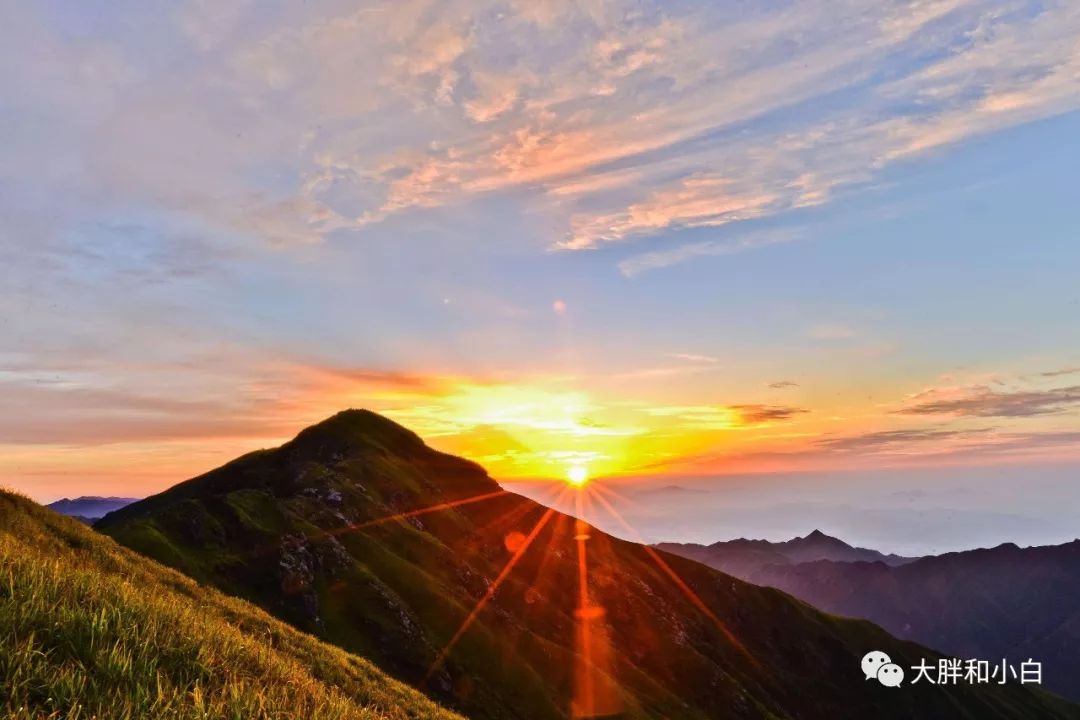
[975, 603]
[744, 558]
[89, 507]
[360, 533]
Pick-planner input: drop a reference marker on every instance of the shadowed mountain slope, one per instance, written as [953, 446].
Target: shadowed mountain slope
[480, 602]
[89, 629]
[1002, 602]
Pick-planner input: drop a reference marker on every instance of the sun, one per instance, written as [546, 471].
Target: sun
[577, 475]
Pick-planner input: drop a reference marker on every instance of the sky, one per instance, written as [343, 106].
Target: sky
[705, 240]
[929, 512]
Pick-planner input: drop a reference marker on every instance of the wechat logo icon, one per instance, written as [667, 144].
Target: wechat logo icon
[876, 664]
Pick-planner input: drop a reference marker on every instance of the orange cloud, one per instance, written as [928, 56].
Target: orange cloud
[700, 201]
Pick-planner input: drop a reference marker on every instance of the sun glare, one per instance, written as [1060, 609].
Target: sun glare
[577, 476]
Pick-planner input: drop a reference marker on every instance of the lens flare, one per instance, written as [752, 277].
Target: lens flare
[577, 475]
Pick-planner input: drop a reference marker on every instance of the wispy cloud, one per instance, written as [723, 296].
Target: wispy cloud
[694, 357]
[897, 440]
[698, 201]
[724, 417]
[632, 120]
[1060, 373]
[767, 413]
[646, 262]
[983, 401]
[945, 445]
[912, 447]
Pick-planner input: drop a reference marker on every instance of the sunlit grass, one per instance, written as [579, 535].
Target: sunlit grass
[91, 630]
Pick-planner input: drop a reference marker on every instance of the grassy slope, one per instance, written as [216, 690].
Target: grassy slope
[89, 629]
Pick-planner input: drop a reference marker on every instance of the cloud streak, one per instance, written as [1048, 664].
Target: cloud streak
[983, 401]
[647, 262]
[896, 440]
[1060, 373]
[727, 417]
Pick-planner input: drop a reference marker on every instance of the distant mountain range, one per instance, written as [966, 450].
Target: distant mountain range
[480, 601]
[743, 558]
[1002, 602]
[89, 507]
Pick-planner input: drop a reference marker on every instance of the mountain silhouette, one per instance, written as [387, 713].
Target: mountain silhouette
[1002, 602]
[743, 558]
[358, 532]
[89, 507]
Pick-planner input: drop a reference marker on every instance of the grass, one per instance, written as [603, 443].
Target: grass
[89, 629]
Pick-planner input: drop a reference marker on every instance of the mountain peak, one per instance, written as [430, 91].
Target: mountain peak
[354, 429]
[816, 537]
[353, 458]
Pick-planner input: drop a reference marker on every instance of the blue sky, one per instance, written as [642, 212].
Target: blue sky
[643, 238]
